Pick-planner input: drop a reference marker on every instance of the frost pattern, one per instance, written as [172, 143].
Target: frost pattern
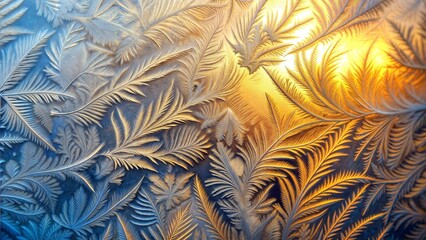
[212, 119]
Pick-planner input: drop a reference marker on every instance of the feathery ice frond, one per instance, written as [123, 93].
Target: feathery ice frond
[315, 87]
[71, 61]
[336, 221]
[100, 19]
[10, 12]
[20, 90]
[45, 229]
[184, 146]
[409, 49]
[303, 200]
[161, 22]
[263, 36]
[204, 58]
[387, 139]
[58, 12]
[239, 183]
[138, 141]
[83, 212]
[125, 86]
[339, 17]
[217, 228]
[357, 228]
[171, 190]
[173, 224]
[261, 163]
[402, 181]
[7, 140]
[22, 56]
[40, 174]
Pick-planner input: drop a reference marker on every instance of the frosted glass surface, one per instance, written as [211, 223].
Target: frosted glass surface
[212, 119]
